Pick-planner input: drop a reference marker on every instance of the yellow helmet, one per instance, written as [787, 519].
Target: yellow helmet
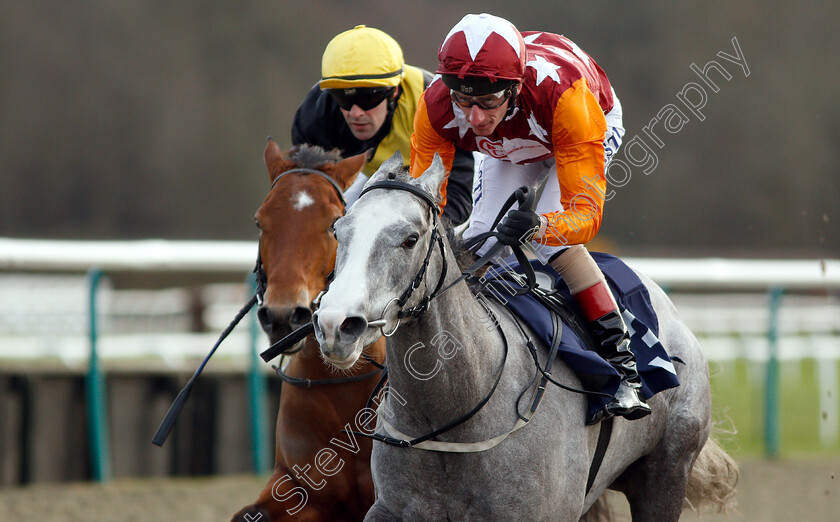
[361, 57]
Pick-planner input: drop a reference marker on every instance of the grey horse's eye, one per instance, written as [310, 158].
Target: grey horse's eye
[411, 240]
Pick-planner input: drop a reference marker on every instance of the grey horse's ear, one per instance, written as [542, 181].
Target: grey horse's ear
[432, 179]
[392, 164]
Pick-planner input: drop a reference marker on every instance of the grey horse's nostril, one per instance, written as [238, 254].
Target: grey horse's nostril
[300, 316]
[319, 334]
[353, 327]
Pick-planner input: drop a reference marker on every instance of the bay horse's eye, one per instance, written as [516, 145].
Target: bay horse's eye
[331, 230]
[410, 241]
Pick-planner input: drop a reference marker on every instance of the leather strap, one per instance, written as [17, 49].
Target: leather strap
[308, 383]
[600, 450]
[333, 182]
[400, 185]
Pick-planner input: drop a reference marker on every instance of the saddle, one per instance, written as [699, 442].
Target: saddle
[551, 297]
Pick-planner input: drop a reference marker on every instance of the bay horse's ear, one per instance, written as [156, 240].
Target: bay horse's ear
[345, 171]
[274, 160]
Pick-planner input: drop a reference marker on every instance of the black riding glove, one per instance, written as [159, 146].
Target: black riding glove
[518, 226]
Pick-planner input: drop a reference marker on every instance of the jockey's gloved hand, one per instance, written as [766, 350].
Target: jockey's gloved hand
[518, 226]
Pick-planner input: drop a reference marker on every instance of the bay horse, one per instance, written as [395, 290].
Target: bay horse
[319, 473]
[459, 367]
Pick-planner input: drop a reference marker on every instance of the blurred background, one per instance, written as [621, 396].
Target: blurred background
[148, 119]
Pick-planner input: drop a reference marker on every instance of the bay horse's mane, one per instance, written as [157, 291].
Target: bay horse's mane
[313, 156]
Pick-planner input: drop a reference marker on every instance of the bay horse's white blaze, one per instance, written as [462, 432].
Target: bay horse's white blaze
[540, 471]
[302, 200]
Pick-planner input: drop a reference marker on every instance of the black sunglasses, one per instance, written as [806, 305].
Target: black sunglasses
[365, 98]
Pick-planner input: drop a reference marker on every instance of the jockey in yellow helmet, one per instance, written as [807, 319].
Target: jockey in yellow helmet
[366, 101]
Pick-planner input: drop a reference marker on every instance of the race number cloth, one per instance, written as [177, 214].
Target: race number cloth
[653, 363]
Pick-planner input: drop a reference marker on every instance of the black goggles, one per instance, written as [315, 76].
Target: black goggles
[487, 101]
[365, 98]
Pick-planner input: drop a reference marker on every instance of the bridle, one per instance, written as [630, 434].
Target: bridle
[437, 238]
[283, 346]
[396, 438]
[259, 272]
[428, 441]
[277, 348]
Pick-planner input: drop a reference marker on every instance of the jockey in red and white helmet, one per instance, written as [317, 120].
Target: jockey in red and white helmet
[541, 111]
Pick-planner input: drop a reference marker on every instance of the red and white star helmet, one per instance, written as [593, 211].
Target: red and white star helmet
[482, 54]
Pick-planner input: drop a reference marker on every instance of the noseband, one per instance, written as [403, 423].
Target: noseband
[392, 184]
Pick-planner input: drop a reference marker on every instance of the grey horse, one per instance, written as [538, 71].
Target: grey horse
[445, 354]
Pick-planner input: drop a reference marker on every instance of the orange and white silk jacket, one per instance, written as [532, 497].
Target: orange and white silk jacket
[559, 114]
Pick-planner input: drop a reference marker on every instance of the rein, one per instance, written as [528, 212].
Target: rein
[309, 383]
[525, 197]
[181, 399]
[397, 438]
[419, 441]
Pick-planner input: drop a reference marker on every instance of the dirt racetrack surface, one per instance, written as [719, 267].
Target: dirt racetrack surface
[788, 489]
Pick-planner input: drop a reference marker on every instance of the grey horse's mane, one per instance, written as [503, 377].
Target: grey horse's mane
[313, 156]
[464, 257]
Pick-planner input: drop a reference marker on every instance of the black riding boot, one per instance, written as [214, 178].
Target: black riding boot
[613, 342]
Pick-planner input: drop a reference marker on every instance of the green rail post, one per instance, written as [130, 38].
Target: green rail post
[256, 394]
[771, 389]
[97, 414]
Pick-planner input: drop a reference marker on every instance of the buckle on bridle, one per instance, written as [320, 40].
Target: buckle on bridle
[380, 323]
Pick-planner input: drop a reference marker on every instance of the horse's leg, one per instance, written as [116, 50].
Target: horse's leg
[655, 488]
[268, 508]
[655, 485]
[272, 511]
[379, 512]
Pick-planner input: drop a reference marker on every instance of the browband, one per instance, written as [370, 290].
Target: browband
[401, 185]
[318, 172]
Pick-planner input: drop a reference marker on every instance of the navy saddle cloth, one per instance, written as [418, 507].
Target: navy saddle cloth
[653, 363]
